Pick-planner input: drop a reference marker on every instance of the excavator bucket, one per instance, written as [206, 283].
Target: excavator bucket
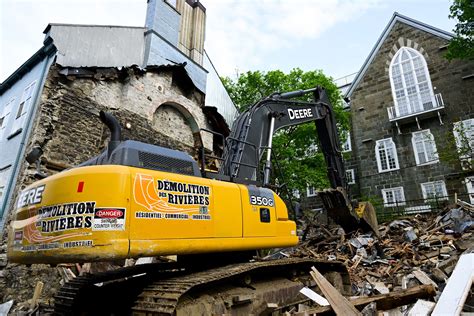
[366, 212]
[340, 209]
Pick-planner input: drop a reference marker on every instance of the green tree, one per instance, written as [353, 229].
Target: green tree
[458, 147]
[462, 45]
[296, 153]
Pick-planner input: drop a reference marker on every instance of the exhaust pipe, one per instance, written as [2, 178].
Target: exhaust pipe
[115, 131]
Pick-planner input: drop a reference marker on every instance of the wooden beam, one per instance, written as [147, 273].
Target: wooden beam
[421, 307]
[385, 301]
[36, 294]
[454, 295]
[339, 303]
[423, 278]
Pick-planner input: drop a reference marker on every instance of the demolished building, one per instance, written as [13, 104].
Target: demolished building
[157, 80]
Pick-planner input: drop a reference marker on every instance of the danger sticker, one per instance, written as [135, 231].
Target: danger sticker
[18, 237]
[109, 218]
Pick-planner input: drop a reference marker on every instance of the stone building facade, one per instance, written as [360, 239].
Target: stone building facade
[409, 107]
[149, 105]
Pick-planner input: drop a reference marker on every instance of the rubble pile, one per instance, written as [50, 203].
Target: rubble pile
[418, 250]
[407, 261]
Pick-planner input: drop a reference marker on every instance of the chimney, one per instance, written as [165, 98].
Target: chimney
[182, 23]
[163, 18]
[192, 29]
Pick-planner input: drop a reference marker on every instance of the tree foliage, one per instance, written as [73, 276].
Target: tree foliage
[297, 161]
[458, 147]
[462, 45]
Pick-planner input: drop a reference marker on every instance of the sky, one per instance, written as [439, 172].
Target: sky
[334, 36]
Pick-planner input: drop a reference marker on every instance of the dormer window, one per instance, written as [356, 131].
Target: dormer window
[411, 84]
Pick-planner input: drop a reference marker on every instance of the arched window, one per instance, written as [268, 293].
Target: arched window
[386, 155]
[411, 83]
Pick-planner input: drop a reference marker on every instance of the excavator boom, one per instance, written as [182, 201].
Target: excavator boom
[251, 137]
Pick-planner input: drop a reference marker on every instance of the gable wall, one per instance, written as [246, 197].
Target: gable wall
[372, 97]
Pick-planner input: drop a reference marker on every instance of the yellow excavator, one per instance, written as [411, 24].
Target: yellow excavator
[140, 200]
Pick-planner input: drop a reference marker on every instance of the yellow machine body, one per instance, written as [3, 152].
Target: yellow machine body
[109, 212]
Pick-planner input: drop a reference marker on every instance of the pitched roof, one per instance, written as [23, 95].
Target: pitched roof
[45, 51]
[397, 17]
[97, 46]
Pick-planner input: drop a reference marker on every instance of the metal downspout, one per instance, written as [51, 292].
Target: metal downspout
[28, 128]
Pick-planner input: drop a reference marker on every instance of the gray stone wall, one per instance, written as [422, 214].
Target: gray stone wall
[150, 106]
[370, 120]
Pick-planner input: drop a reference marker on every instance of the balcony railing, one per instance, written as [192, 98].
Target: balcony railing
[439, 104]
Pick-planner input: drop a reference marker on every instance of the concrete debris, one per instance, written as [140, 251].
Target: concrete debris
[408, 270]
[5, 307]
[410, 235]
[420, 250]
[421, 308]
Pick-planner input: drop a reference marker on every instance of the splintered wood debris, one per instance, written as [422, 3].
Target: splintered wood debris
[408, 270]
[418, 265]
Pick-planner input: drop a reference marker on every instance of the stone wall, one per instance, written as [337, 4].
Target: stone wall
[370, 121]
[153, 107]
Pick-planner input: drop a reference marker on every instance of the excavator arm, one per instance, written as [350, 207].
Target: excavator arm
[252, 134]
[253, 130]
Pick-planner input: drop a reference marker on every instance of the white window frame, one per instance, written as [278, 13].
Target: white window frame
[350, 176]
[5, 116]
[23, 107]
[470, 188]
[464, 131]
[4, 174]
[393, 192]
[416, 84]
[418, 209]
[379, 159]
[434, 183]
[427, 140]
[311, 191]
[347, 146]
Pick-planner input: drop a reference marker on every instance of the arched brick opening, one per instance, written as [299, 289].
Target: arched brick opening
[176, 121]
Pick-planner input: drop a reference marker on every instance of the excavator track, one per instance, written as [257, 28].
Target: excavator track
[78, 296]
[162, 288]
